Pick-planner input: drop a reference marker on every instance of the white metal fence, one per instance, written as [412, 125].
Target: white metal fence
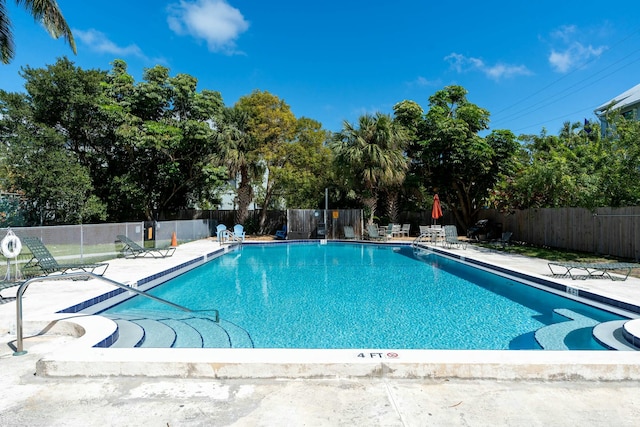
[93, 242]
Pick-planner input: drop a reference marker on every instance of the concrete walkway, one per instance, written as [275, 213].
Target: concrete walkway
[36, 400]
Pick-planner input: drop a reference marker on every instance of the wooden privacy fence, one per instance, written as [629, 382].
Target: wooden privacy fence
[604, 231]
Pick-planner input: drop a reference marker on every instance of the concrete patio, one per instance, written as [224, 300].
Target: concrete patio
[61, 382]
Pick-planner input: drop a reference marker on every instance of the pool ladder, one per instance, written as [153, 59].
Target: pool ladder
[421, 238]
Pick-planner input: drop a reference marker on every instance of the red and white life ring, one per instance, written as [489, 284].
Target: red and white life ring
[11, 246]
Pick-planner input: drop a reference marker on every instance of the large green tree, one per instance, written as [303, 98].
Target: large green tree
[301, 180]
[163, 145]
[147, 147]
[568, 169]
[236, 152]
[371, 155]
[46, 12]
[271, 126]
[38, 165]
[462, 166]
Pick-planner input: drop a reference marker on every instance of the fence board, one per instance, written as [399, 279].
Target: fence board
[604, 231]
[304, 223]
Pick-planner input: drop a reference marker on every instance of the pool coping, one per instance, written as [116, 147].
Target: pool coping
[79, 360]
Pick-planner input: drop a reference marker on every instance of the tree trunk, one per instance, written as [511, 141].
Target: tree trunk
[371, 203]
[267, 200]
[245, 195]
[392, 206]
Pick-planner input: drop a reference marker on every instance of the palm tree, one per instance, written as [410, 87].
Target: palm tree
[373, 155]
[235, 148]
[45, 11]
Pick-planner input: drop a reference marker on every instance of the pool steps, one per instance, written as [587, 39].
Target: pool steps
[611, 335]
[608, 334]
[157, 330]
[130, 334]
[552, 337]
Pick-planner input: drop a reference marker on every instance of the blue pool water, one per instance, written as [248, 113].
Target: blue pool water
[365, 296]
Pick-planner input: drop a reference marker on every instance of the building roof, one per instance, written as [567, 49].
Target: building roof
[629, 97]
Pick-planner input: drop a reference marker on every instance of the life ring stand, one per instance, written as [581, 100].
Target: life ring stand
[11, 245]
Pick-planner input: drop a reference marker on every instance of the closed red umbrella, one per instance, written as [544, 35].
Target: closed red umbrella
[436, 211]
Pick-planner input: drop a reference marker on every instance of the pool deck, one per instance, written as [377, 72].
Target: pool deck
[60, 381]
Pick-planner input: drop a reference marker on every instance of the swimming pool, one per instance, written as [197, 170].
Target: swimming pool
[363, 296]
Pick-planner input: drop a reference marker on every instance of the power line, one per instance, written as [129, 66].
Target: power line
[548, 101]
[551, 101]
[558, 95]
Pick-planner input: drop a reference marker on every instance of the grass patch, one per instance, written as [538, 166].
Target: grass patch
[558, 255]
[551, 254]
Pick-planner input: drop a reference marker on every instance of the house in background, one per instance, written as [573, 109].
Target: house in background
[627, 104]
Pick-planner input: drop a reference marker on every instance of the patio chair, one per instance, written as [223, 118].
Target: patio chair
[281, 234]
[238, 232]
[451, 237]
[405, 230]
[505, 239]
[131, 249]
[348, 232]
[43, 262]
[374, 234]
[222, 233]
[386, 231]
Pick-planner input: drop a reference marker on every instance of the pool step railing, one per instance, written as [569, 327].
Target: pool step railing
[422, 237]
[83, 275]
[166, 330]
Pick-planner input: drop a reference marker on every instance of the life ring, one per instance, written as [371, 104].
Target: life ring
[11, 246]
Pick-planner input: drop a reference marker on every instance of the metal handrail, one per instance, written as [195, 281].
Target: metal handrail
[23, 288]
[421, 238]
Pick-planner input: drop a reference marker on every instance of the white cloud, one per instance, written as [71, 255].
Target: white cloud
[565, 33]
[462, 64]
[214, 21]
[573, 56]
[99, 42]
[423, 82]
[571, 50]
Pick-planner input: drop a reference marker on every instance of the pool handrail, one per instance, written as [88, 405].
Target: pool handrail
[23, 288]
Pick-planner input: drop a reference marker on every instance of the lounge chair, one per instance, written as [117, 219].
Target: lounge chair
[451, 237]
[374, 234]
[131, 249]
[281, 234]
[592, 270]
[43, 262]
[348, 232]
[6, 285]
[238, 232]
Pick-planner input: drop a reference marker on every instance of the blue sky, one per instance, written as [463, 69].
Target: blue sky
[532, 65]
